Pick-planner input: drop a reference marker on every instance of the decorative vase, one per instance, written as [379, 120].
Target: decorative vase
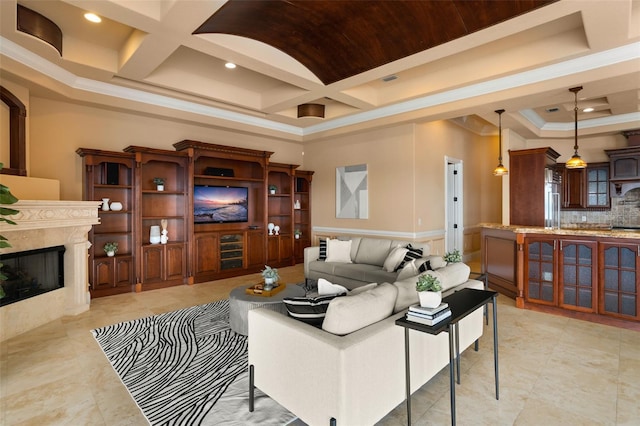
[154, 234]
[268, 284]
[272, 191]
[116, 206]
[430, 299]
[111, 253]
[270, 227]
[276, 229]
[297, 236]
[105, 204]
[160, 187]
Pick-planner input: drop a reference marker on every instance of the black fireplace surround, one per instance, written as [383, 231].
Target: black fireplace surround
[30, 273]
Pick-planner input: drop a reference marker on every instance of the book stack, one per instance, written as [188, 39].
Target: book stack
[428, 316]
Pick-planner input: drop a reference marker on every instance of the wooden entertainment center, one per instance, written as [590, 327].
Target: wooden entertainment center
[195, 252]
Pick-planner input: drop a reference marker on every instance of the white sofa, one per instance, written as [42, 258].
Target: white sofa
[355, 379]
[366, 262]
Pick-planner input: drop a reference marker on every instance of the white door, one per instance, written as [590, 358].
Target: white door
[453, 204]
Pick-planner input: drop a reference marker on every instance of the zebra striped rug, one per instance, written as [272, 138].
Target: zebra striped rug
[187, 368]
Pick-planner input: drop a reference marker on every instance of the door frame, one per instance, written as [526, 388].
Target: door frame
[454, 211]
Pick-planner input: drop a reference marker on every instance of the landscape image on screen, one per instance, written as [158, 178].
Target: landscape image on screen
[220, 204]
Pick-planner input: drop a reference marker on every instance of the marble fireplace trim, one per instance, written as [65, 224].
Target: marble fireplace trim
[43, 224]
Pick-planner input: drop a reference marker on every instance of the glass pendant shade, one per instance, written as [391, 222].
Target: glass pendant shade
[500, 170]
[575, 162]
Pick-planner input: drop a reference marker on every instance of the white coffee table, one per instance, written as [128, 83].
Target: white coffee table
[240, 303]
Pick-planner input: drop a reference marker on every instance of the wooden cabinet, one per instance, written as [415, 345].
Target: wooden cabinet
[196, 251]
[540, 270]
[527, 170]
[619, 277]
[162, 264]
[577, 275]
[302, 213]
[280, 213]
[110, 176]
[561, 272]
[624, 166]
[585, 189]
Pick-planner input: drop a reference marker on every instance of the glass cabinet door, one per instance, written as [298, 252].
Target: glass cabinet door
[578, 263]
[619, 280]
[540, 270]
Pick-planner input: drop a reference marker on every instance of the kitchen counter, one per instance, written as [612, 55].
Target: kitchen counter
[563, 271]
[605, 232]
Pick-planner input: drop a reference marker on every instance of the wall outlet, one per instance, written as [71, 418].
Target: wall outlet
[584, 218]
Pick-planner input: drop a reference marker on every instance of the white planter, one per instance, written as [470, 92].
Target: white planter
[430, 299]
[160, 187]
[111, 253]
[272, 191]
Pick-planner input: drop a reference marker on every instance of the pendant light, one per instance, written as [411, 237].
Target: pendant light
[500, 170]
[575, 162]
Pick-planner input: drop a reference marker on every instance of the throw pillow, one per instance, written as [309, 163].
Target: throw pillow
[310, 310]
[412, 253]
[338, 251]
[409, 270]
[394, 258]
[350, 313]
[326, 288]
[323, 249]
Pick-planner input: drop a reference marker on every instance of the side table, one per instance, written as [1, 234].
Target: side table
[240, 303]
[461, 303]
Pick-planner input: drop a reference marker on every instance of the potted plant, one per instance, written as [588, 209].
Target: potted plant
[272, 189]
[159, 183]
[6, 197]
[429, 291]
[453, 256]
[111, 248]
[270, 276]
[297, 233]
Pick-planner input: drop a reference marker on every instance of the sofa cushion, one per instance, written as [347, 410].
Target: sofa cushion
[407, 294]
[451, 275]
[325, 288]
[362, 289]
[350, 313]
[309, 309]
[396, 255]
[338, 251]
[373, 251]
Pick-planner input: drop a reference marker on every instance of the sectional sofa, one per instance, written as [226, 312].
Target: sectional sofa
[351, 370]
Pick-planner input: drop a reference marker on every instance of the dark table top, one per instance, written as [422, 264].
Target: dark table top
[461, 303]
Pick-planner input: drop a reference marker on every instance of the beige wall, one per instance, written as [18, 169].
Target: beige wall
[406, 167]
[59, 128]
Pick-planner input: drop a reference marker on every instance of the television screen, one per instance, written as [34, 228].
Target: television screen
[220, 204]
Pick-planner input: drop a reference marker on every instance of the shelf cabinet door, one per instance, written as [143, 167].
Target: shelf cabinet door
[619, 280]
[175, 262]
[573, 189]
[577, 275]
[540, 270]
[597, 187]
[255, 249]
[152, 263]
[206, 259]
[102, 273]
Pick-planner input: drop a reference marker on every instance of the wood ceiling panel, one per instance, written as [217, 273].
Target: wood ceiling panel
[337, 39]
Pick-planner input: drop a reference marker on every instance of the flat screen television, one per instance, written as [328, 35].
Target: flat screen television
[220, 204]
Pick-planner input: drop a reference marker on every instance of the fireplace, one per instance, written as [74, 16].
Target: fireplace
[31, 273]
[62, 225]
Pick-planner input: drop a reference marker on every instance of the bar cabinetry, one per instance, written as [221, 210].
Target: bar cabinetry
[619, 280]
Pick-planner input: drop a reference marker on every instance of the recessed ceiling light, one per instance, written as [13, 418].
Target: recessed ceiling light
[92, 17]
[389, 78]
[589, 109]
[230, 65]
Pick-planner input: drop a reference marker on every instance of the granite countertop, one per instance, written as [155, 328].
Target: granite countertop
[593, 231]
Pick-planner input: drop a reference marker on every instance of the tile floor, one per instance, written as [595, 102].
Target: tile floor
[553, 370]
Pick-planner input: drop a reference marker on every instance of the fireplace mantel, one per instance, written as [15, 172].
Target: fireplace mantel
[43, 224]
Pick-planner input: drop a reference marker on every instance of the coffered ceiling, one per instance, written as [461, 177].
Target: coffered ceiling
[371, 63]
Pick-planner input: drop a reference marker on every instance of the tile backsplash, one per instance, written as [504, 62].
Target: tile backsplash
[625, 211]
